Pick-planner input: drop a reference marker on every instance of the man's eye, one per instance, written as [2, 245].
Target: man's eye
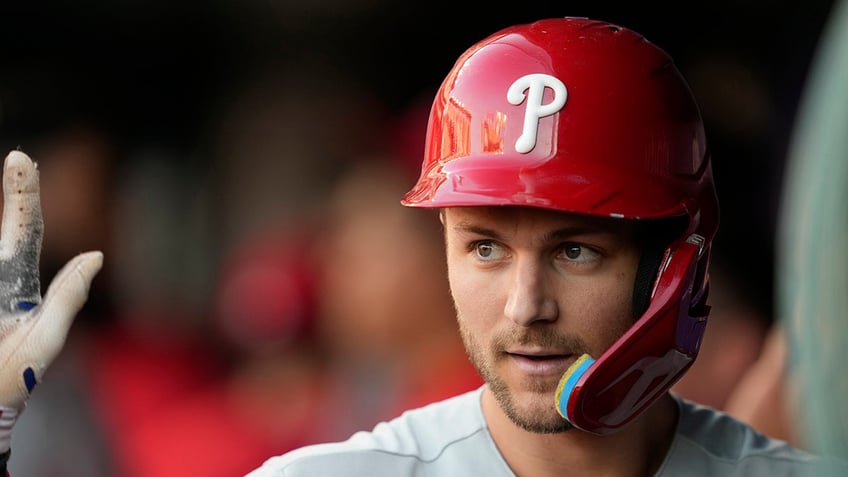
[573, 251]
[486, 250]
[578, 253]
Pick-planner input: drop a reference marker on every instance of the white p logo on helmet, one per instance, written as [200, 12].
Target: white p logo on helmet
[534, 85]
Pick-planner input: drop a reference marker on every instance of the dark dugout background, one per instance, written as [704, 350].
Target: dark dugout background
[152, 73]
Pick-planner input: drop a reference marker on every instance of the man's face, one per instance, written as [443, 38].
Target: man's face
[534, 290]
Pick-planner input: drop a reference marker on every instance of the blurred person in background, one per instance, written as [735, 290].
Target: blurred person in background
[386, 318]
[250, 208]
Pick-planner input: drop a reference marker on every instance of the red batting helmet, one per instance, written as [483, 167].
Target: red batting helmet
[582, 116]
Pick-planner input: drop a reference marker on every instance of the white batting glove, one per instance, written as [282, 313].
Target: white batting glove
[32, 329]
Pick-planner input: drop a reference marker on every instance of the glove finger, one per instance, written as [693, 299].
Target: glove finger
[22, 232]
[64, 298]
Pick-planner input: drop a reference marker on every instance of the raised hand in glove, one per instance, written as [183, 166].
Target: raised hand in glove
[32, 329]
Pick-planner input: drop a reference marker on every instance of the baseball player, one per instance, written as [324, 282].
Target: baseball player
[569, 163]
[32, 329]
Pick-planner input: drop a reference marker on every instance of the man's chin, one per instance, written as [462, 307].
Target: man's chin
[556, 425]
[538, 420]
[533, 410]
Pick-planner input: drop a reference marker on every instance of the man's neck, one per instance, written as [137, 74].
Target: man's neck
[636, 450]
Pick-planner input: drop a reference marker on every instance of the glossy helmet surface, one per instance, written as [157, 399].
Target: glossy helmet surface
[583, 116]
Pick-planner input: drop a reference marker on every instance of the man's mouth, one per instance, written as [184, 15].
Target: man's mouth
[538, 357]
[541, 363]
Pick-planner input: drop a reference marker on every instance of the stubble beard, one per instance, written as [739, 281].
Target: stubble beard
[538, 418]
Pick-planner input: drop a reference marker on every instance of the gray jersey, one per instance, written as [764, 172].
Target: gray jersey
[450, 438]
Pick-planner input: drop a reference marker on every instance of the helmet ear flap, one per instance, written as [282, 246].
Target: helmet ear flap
[656, 237]
[601, 395]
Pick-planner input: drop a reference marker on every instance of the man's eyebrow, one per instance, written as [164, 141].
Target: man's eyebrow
[551, 236]
[467, 227]
[571, 231]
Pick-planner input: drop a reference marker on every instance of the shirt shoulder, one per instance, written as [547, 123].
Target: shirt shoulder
[710, 443]
[442, 438]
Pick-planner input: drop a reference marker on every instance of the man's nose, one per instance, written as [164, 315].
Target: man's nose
[530, 297]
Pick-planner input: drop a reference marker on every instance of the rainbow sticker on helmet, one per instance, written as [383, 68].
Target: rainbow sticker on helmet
[568, 381]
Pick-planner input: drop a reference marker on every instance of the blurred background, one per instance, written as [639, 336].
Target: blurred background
[240, 162]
